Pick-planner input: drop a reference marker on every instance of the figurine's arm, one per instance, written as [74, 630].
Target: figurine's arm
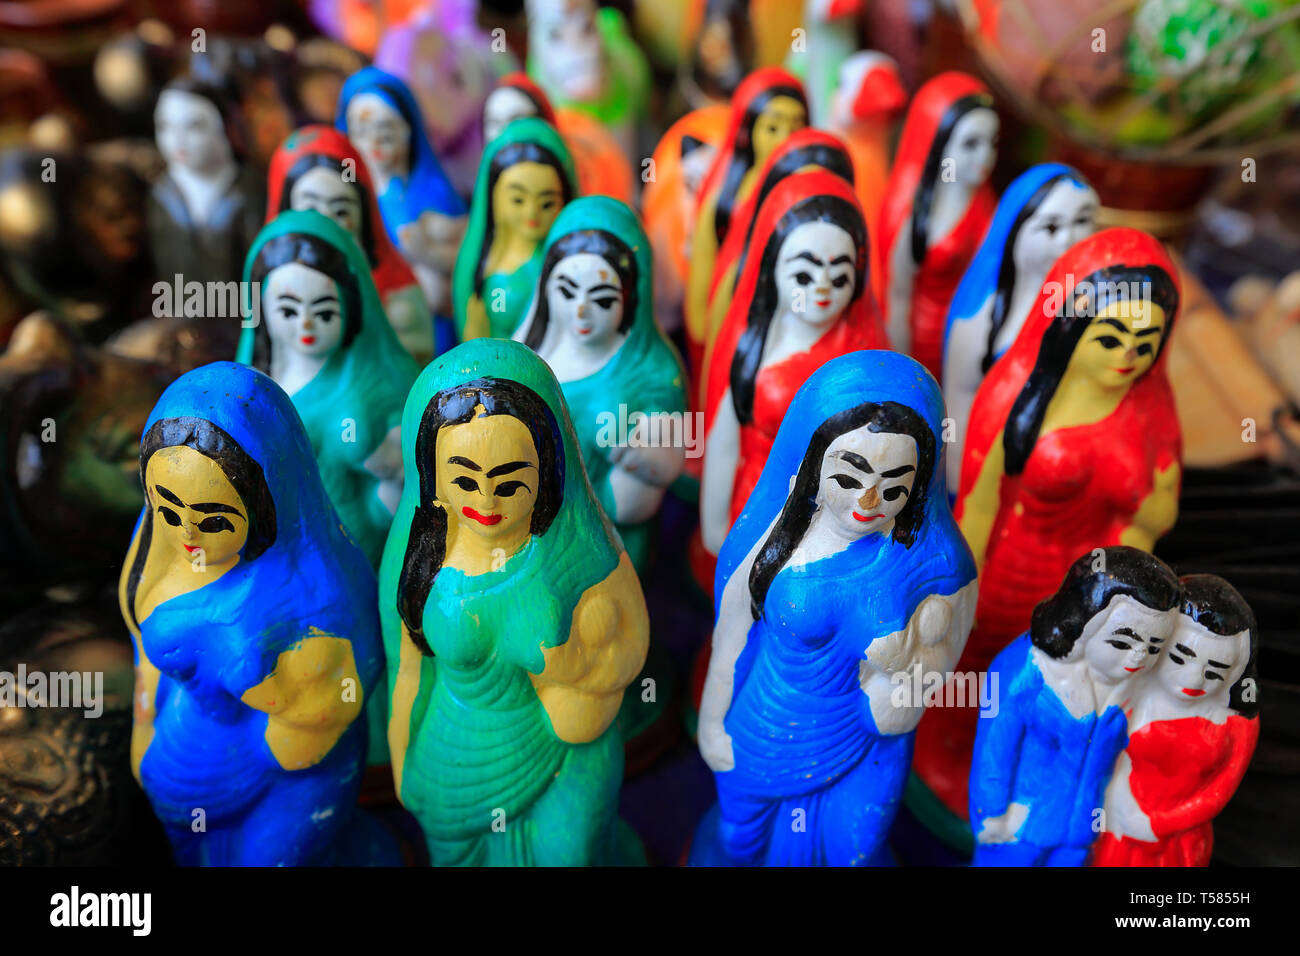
[1213, 795]
[962, 375]
[898, 297]
[703, 255]
[402, 712]
[994, 764]
[311, 696]
[581, 685]
[721, 456]
[476, 320]
[1158, 510]
[984, 500]
[147, 676]
[643, 470]
[385, 463]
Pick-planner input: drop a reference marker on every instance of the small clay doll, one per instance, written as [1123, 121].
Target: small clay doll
[766, 109]
[318, 168]
[844, 573]
[206, 208]
[257, 640]
[721, 53]
[586, 59]
[513, 620]
[1043, 758]
[1044, 211]
[321, 333]
[1192, 731]
[592, 319]
[423, 213]
[937, 205]
[1073, 445]
[802, 299]
[524, 180]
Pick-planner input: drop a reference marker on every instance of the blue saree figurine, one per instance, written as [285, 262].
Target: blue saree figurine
[1042, 761]
[1045, 210]
[844, 579]
[424, 215]
[256, 633]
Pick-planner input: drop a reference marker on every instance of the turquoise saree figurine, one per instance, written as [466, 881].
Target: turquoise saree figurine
[593, 321]
[256, 633]
[844, 588]
[513, 620]
[524, 180]
[318, 328]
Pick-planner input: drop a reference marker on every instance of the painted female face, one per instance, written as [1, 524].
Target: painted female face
[303, 311]
[866, 480]
[190, 133]
[585, 294]
[815, 273]
[323, 190]
[380, 134]
[1066, 215]
[502, 106]
[1124, 639]
[973, 146]
[570, 52]
[487, 474]
[1120, 344]
[526, 198]
[194, 506]
[1199, 664]
[782, 116]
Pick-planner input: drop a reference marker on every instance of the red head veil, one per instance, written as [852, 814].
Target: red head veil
[388, 269]
[524, 85]
[1146, 414]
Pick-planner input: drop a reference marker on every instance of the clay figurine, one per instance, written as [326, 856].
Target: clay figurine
[1044, 211]
[864, 109]
[524, 181]
[844, 574]
[513, 620]
[1043, 758]
[257, 640]
[721, 53]
[937, 205]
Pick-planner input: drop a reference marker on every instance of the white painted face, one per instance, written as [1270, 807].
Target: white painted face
[324, 190]
[303, 311]
[1067, 214]
[867, 478]
[1124, 639]
[1200, 665]
[973, 146]
[815, 272]
[502, 106]
[190, 133]
[695, 166]
[585, 294]
[380, 134]
[568, 47]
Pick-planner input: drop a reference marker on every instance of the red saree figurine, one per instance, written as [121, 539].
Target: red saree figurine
[1192, 731]
[1073, 445]
[937, 205]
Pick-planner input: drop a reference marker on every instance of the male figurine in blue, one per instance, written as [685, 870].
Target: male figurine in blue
[1042, 761]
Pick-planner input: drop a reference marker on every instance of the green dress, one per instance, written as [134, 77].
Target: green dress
[484, 773]
[516, 287]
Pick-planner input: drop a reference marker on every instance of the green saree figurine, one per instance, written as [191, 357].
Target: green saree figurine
[593, 321]
[512, 620]
[525, 177]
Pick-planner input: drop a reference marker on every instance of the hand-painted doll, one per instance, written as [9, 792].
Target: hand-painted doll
[844, 574]
[422, 211]
[321, 333]
[1073, 444]
[585, 58]
[602, 168]
[512, 618]
[592, 319]
[802, 299]
[766, 109]
[1044, 211]
[937, 206]
[206, 208]
[257, 641]
[318, 168]
[721, 52]
[1043, 758]
[1192, 731]
[524, 180]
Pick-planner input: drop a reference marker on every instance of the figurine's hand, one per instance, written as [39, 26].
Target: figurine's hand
[1004, 827]
[650, 455]
[439, 239]
[715, 746]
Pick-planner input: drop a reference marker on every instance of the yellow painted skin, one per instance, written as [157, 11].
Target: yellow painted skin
[525, 201]
[1090, 390]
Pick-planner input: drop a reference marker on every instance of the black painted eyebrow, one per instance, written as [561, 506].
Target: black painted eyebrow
[1186, 650]
[1127, 632]
[548, 192]
[1153, 330]
[1115, 322]
[564, 278]
[291, 297]
[508, 467]
[1217, 664]
[842, 260]
[463, 462]
[806, 255]
[895, 472]
[169, 496]
[216, 507]
[326, 298]
[857, 461]
[603, 286]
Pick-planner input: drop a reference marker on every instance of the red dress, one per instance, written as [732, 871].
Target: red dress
[1184, 773]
